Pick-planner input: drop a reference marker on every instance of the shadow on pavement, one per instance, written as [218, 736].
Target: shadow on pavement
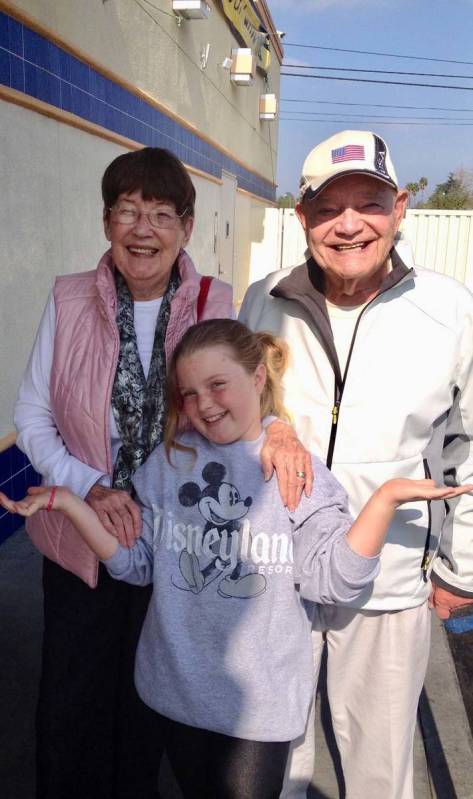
[438, 766]
[327, 730]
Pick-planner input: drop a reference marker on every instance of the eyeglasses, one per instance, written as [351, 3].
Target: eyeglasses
[126, 215]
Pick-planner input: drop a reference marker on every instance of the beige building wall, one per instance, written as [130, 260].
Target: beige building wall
[249, 232]
[148, 49]
[51, 162]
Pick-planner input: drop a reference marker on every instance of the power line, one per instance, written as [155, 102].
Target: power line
[378, 116]
[378, 71]
[373, 52]
[348, 121]
[385, 82]
[374, 105]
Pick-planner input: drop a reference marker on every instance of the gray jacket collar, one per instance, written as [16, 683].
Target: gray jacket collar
[306, 285]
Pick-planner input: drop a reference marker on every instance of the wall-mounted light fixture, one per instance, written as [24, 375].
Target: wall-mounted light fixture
[268, 106]
[191, 9]
[242, 71]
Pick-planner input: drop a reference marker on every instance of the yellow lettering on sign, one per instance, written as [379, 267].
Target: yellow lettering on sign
[245, 20]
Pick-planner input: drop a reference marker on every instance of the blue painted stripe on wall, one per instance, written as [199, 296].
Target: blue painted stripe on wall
[32, 64]
[16, 475]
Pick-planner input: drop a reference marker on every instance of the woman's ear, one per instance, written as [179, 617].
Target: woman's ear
[106, 223]
[188, 228]
[260, 377]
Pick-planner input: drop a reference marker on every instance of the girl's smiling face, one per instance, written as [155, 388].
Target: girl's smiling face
[220, 398]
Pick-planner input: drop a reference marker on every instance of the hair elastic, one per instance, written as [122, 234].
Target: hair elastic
[52, 497]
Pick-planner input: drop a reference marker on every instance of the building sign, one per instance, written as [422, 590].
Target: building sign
[249, 29]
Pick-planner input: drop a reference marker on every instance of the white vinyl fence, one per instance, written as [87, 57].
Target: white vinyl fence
[441, 240]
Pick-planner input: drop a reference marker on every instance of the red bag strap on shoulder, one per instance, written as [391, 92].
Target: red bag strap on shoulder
[205, 282]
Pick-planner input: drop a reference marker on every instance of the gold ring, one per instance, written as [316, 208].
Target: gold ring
[300, 474]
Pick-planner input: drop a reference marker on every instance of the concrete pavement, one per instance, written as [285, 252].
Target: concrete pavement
[443, 746]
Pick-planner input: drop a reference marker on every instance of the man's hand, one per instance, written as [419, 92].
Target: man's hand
[283, 452]
[119, 514]
[444, 602]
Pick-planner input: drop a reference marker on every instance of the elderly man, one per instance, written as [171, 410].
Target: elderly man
[380, 385]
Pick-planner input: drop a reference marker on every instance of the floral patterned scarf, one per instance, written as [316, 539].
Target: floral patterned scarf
[139, 404]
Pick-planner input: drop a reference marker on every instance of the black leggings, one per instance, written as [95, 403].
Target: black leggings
[95, 738]
[208, 765]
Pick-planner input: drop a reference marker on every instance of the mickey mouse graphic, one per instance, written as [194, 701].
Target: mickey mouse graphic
[222, 507]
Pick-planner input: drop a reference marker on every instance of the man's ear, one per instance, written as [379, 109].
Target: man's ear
[400, 205]
[301, 215]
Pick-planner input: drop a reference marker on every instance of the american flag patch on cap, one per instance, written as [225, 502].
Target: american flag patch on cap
[351, 152]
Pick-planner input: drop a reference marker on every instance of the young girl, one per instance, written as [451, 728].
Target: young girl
[225, 655]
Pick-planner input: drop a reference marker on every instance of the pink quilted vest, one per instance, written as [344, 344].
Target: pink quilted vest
[86, 348]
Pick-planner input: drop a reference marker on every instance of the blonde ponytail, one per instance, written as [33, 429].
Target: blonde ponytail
[275, 354]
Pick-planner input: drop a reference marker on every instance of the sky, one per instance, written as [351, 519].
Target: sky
[423, 28]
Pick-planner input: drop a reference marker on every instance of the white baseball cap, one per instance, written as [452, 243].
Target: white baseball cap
[351, 152]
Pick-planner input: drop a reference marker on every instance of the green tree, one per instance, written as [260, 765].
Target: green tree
[286, 200]
[454, 194]
[422, 186]
[413, 189]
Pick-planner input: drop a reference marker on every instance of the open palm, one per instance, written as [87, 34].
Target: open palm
[403, 490]
[37, 499]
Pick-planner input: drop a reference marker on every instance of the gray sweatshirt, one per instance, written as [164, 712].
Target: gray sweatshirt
[225, 645]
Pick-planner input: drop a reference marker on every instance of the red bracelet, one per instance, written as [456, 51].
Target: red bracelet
[52, 497]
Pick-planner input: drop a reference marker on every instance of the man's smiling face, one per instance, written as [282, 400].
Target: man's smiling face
[350, 227]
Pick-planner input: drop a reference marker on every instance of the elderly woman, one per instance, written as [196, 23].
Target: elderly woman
[91, 408]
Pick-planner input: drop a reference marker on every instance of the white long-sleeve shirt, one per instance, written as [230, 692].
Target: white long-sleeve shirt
[38, 436]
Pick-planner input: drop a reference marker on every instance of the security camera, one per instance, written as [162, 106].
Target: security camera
[281, 34]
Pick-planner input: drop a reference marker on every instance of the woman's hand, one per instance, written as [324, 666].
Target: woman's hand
[284, 452]
[401, 490]
[119, 514]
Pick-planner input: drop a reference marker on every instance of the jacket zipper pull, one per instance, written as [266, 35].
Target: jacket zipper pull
[335, 412]
[426, 563]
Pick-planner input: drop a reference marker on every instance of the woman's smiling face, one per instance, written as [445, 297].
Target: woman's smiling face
[142, 253]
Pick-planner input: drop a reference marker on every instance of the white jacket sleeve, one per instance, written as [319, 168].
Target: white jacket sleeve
[252, 305]
[38, 436]
[453, 568]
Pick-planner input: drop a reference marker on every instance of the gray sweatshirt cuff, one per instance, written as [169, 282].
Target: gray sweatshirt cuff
[359, 567]
[119, 563]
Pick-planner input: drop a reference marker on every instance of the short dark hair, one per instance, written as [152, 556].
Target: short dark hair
[156, 172]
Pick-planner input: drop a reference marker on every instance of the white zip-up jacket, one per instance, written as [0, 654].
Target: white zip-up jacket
[403, 408]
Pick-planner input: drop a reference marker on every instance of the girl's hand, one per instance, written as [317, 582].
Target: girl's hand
[400, 490]
[37, 499]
